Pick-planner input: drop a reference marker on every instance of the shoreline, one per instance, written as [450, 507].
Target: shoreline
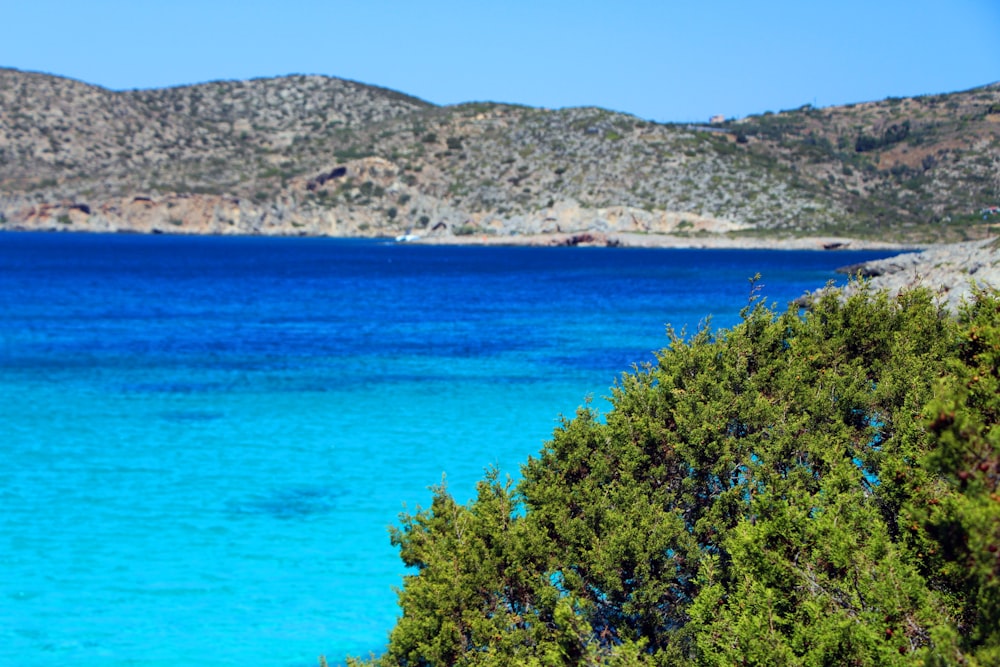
[952, 272]
[581, 239]
[701, 242]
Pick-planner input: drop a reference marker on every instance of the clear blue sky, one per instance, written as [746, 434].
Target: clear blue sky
[666, 60]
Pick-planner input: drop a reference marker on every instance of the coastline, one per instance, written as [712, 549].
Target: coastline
[699, 241]
[581, 239]
[952, 272]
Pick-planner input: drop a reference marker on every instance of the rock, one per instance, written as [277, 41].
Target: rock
[953, 272]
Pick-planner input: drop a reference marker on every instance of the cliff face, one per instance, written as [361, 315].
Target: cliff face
[317, 155]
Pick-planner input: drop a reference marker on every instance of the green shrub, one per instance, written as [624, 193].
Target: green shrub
[370, 189]
[352, 153]
[892, 135]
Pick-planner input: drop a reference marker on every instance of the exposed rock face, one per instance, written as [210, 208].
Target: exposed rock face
[951, 271]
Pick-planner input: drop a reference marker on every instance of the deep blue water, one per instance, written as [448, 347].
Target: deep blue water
[205, 439]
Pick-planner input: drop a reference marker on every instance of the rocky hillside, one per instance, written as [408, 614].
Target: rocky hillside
[317, 155]
[924, 166]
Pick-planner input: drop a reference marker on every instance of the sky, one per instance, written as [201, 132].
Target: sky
[665, 60]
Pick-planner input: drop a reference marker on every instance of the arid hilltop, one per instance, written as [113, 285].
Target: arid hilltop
[322, 156]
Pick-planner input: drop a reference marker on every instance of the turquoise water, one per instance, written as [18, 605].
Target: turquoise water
[205, 439]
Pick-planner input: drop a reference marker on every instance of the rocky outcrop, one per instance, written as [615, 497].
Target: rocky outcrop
[952, 272]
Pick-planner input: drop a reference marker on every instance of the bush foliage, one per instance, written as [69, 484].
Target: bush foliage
[807, 488]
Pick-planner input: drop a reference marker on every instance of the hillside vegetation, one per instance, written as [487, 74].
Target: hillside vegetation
[318, 155]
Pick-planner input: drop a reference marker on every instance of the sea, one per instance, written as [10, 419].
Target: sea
[204, 440]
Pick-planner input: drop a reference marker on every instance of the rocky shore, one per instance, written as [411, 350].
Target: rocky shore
[952, 271]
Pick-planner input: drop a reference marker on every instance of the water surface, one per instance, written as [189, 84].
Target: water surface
[205, 439]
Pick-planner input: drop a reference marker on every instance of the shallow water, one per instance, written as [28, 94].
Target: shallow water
[205, 439]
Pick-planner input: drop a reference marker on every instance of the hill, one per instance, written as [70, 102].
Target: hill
[320, 155]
